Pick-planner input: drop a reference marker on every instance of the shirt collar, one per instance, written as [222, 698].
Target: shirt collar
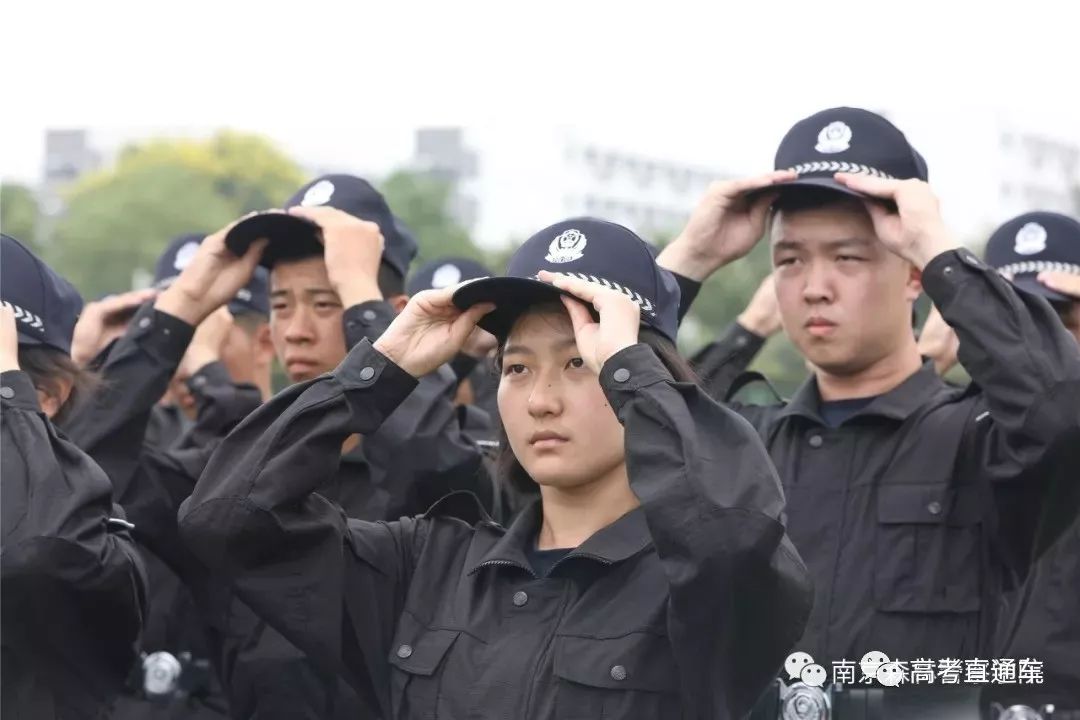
[614, 543]
[898, 404]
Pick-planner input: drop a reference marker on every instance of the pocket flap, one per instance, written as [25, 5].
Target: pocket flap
[418, 650]
[934, 504]
[639, 661]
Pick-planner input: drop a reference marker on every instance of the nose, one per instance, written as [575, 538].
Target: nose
[299, 329]
[545, 398]
[817, 283]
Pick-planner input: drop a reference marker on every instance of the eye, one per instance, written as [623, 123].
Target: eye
[785, 262]
[576, 363]
[279, 306]
[849, 258]
[514, 369]
[325, 305]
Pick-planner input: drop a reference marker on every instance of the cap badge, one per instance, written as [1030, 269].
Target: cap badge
[833, 138]
[185, 254]
[318, 194]
[568, 246]
[446, 276]
[1030, 239]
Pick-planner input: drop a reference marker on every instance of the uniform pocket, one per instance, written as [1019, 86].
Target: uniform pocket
[416, 659]
[927, 552]
[610, 678]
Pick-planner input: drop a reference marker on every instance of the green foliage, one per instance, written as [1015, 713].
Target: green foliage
[422, 202]
[18, 213]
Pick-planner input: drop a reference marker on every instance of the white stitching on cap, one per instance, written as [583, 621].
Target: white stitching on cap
[643, 302]
[1037, 266]
[25, 316]
[839, 166]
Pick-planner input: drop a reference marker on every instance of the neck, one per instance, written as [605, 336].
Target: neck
[573, 515]
[877, 379]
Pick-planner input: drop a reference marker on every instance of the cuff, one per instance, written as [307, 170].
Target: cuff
[17, 391]
[629, 370]
[160, 334]
[366, 320]
[946, 273]
[365, 369]
[212, 374]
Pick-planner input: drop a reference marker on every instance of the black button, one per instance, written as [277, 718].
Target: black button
[618, 673]
[520, 598]
[934, 508]
[144, 323]
[404, 651]
[816, 441]
[7, 393]
[948, 270]
[367, 373]
[198, 381]
[369, 315]
[621, 375]
[741, 341]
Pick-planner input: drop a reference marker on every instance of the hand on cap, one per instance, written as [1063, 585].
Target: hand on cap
[915, 231]
[103, 321]
[9, 340]
[1062, 282]
[429, 331]
[211, 279]
[617, 329]
[207, 343]
[353, 252]
[939, 342]
[762, 314]
[725, 226]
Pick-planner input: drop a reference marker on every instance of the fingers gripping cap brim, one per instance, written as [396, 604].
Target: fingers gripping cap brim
[1031, 284]
[290, 237]
[511, 296]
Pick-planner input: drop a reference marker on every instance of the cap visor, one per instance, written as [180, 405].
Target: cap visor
[28, 339]
[291, 237]
[511, 297]
[1030, 283]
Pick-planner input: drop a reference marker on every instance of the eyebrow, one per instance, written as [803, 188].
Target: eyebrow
[829, 244]
[525, 350]
[308, 292]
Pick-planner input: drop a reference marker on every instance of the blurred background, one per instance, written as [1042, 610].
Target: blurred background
[130, 130]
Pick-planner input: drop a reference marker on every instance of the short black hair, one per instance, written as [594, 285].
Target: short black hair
[798, 198]
[391, 282]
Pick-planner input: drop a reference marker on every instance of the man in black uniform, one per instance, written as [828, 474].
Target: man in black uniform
[73, 587]
[914, 503]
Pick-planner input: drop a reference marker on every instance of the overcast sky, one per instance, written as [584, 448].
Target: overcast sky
[713, 83]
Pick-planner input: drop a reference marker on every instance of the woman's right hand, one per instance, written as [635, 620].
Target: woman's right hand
[429, 331]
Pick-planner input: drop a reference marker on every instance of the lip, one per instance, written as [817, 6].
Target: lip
[819, 326]
[299, 365]
[547, 439]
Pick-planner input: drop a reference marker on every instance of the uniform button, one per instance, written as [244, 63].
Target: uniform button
[404, 651]
[144, 323]
[741, 341]
[934, 508]
[369, 315]
[621, 375]
[618, 673]
[948, 270]
[520, 598]
[816, 441]
[367, 373]
[199, 381]
[7, 393]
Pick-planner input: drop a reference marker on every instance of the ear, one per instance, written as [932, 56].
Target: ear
[51, 402]
[398, 302]
[914, 284]
[264, 345]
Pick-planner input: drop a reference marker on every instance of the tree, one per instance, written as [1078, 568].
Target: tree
[18, 213]
[119, 220]
[422, 202]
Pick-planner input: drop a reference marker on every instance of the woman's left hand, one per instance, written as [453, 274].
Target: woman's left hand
[617, 329]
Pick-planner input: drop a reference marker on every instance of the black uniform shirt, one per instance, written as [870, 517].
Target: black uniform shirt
[916, 512]
[685, 607]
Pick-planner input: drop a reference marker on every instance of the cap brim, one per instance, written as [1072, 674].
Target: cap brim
[28, 339]
[511, 297]
[290, 237]
[1030, 283]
